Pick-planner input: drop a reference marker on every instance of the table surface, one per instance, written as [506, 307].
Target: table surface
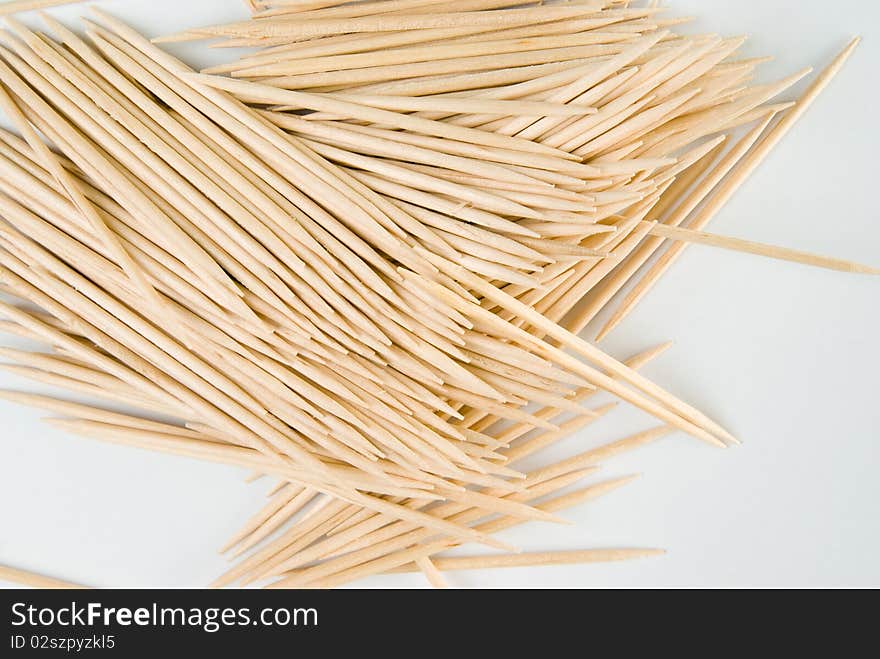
[784, 355]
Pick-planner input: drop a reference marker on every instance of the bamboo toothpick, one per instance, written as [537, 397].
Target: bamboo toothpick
[34, 580]
[543, 559]
[431, 572]
[72, 189]
[358, 288]
[20, 6]
[736, 178]
[759, 249]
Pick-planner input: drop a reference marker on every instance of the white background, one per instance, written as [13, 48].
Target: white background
[783, 355]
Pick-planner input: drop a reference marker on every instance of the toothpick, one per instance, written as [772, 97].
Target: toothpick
[316, 28]
[543, 559]
[20, 6]
[736, 178]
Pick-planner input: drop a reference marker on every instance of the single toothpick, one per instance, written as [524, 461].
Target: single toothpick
[543, 559]
[84, 205]
[317, 28]
[33, 579]
[759, 249]
[733, 182]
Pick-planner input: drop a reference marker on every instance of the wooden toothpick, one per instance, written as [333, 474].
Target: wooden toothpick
[33, 579]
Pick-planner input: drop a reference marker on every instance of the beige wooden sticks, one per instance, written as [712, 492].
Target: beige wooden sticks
[17, 6]
[359, 263]
[451, 563]
[34, 580]
[743, 169]
[751, 247]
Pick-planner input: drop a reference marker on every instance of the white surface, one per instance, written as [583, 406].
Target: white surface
[783, 355]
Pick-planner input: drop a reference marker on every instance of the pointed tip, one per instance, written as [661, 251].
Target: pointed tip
[616, 483]
[718, 141]
[15, 25]
[217, 583]
[219, 70]
[175, 38]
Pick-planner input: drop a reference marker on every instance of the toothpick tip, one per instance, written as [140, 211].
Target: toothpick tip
[861, 269]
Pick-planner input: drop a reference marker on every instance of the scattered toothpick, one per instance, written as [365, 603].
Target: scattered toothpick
[360, 262]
